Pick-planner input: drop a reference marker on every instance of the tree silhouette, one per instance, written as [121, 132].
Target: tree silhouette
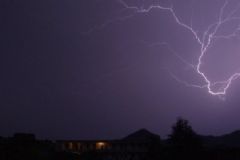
[183, 136]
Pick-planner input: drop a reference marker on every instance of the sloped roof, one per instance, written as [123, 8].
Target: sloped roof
[142, 135]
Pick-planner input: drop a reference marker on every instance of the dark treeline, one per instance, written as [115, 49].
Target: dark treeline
[182, 143]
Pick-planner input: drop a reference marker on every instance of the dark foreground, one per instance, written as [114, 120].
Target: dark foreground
[183, 143]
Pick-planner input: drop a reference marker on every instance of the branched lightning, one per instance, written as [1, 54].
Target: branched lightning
[205, 41]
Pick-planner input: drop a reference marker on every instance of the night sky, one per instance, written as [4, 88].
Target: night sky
[88, 69]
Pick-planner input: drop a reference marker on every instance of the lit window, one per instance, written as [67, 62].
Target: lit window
[70, 145]
[100, 145]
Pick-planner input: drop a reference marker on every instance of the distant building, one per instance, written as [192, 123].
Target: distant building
[135, 146]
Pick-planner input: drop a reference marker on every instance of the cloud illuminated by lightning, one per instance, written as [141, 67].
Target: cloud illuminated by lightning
[204, 41]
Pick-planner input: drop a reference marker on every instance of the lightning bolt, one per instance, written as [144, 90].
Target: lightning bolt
[205, 40]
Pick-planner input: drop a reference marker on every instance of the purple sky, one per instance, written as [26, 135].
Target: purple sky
[102, 69]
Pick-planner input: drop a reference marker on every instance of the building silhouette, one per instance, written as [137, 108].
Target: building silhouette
[135, 146]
